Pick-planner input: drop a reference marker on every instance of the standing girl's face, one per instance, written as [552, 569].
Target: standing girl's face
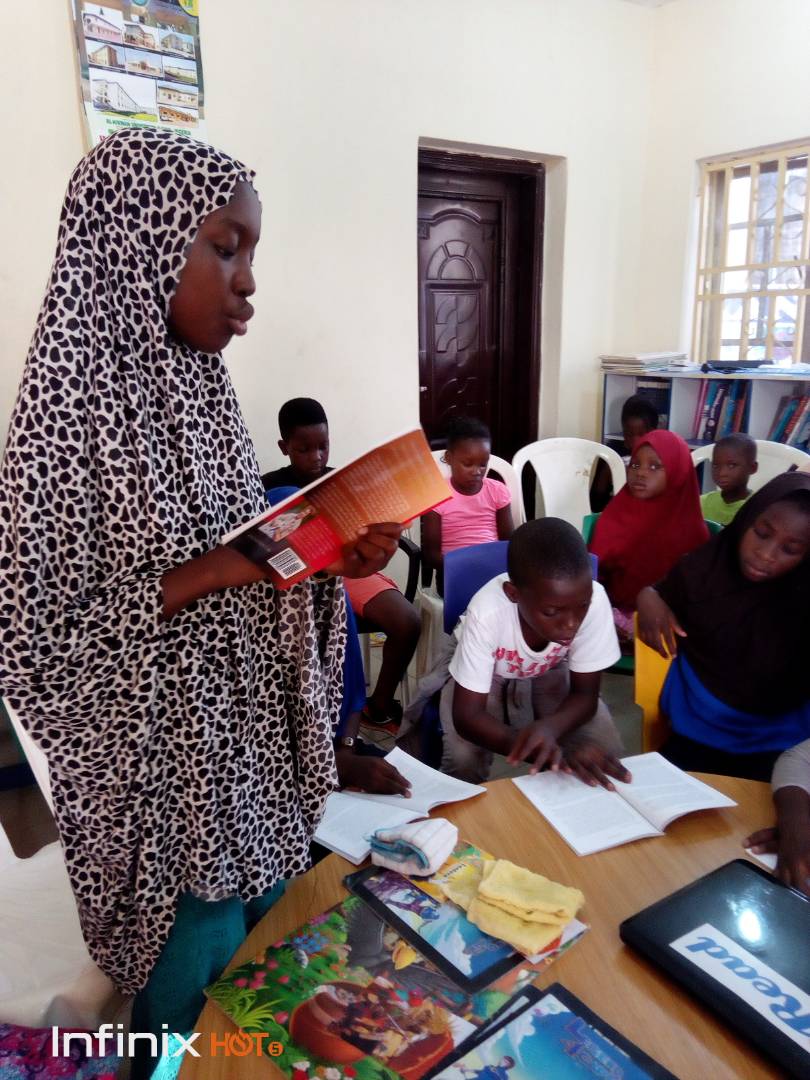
[776, 543]
[468, 460]
[646, 475]
[210, 303]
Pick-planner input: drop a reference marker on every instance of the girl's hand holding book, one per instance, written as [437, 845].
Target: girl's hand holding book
[372, 550]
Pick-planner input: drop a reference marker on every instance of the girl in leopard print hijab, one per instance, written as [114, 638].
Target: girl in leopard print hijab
[185, 706]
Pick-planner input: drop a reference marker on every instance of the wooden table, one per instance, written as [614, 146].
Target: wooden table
[629, 993]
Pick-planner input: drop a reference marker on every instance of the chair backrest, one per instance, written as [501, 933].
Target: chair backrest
[650, 671]
[773, 457]
[564, 469]
[35, 757]
[466, 570]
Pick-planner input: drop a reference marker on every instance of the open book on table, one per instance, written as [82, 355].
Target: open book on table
[396, 481]
[592, 819]
[352, 816]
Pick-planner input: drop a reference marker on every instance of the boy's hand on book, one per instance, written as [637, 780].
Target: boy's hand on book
[371, 551]
[372, 774]
[593, 765]
[536, 744]
[657, 625]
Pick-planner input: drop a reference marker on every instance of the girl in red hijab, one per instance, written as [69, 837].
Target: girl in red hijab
[653, 521]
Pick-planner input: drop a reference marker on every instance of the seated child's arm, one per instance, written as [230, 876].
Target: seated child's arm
[503, 520]
[657, 624]
[432, 539]
[790, 838]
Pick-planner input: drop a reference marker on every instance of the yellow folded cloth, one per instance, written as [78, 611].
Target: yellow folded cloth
[528, 938]
[528, 896]
[462, 885]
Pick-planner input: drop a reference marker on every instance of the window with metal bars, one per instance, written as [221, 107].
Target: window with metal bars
[753, 274]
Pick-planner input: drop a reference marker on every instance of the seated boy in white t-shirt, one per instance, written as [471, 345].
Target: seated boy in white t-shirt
[527, 667]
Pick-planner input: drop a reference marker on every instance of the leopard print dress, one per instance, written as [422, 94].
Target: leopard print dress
[193, 754]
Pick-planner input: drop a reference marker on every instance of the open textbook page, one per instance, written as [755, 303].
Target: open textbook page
[352, 816]
[306, 532]
[593, 819]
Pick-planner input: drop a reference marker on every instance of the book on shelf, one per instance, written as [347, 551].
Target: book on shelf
[741, 405]
[351, 817]
[593, 819]
[643, 361]
[395, 481]
[712, 420]
[795, 420]
[784, 412]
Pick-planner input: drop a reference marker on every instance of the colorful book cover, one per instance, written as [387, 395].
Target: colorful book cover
[795, 420]
[710, 429]
[708, 402]
[725, 423]
[784, 419]
[555, 1037]
[345, 992]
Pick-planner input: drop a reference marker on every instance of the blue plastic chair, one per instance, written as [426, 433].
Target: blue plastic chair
[468, 569]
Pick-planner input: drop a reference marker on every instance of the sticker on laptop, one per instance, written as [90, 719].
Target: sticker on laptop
[774, 997]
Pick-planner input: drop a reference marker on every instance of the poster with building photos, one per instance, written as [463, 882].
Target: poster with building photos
[140, 65]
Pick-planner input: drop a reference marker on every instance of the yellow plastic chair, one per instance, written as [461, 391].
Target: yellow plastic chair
[650, 671]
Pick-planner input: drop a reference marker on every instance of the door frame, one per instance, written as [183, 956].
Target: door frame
[529, 291]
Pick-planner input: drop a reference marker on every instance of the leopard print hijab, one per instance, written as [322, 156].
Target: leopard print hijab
[193, 754]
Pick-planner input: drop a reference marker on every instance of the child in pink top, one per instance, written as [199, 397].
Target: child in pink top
[481, 508]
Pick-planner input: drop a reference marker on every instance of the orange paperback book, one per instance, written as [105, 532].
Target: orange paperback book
[396, 481]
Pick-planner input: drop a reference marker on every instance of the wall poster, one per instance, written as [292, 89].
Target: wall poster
[140, 65]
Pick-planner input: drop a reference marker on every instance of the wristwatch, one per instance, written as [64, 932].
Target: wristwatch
[348, 741]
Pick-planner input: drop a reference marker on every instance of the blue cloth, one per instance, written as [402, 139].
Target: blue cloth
[354, 677]
[699, 715]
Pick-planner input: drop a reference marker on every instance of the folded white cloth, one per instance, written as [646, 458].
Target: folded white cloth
[418, 848]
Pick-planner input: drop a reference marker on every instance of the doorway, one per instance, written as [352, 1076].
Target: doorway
[480, 249]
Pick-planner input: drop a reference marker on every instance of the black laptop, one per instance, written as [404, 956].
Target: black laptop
[740, 941]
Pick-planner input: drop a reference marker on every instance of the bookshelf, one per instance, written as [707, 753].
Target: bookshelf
[677, 393]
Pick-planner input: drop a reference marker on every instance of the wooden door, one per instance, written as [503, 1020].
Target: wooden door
[478, 301]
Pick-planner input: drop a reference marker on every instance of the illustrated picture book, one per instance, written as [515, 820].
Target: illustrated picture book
[549, 1034]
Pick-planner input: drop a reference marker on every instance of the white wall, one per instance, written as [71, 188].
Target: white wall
[729, 75]
[327, 101]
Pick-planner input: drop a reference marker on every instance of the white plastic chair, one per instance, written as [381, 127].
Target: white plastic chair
[46, 974]
[564, 470]
[773, 457]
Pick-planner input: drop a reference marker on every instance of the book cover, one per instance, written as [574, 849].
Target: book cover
[710, 429]
[777, 417]
[725, 423]
[784, 419]
[708, 402]
[795, 420]
[554, 1036]
[396, 481]
[346, 991]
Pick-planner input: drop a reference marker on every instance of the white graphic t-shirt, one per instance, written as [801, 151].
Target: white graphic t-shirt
[490, 641]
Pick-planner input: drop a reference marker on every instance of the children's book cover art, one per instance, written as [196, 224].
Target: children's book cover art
[346, 991]
[440, 930]
[557, 1037]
